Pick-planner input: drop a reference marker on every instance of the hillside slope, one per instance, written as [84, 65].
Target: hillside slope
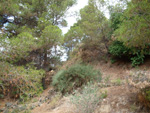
[120, 99]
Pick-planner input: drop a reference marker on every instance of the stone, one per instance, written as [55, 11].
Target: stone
[8, 104]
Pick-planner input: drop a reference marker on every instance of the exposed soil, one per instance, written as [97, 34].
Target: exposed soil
[120, 99]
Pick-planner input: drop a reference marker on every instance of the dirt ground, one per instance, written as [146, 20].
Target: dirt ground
[120, 99]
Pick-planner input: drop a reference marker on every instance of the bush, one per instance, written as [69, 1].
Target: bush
[136, 55]
[20, 82]
[117, 49]
[87, 100]
[137, 60]
[74, 77]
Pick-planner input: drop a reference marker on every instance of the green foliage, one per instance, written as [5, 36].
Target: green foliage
[18, 47]
[51, 35]
[91, 30]
[117, 81]
[93, 22]
[74, 77]
[130, 27]
[118, 49]
[72, 38]
[20, 82]
[147, 91]
[113, 60]
[104, 94]
[28, 37]
[33, 29]
[134, 30]
[116, 19]
[137, 60]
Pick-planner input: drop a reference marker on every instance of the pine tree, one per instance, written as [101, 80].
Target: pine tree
[31, 28]
[134, 31]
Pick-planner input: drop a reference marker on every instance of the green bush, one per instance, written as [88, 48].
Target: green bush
[137, 60]
[136, 55]
[117, 49]
[74, 77]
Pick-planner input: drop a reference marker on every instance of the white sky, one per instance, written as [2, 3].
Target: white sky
[73, 19]
[76, 8]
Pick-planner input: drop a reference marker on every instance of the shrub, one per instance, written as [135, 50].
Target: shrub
[20, 82]
[137, 60]
[136, 55]
[87, 100]
[117, 49]
[74, 77]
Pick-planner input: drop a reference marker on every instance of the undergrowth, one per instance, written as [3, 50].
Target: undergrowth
[88, 100]
[136, 55]
[140, 80]
[75, 76]
[20, 82]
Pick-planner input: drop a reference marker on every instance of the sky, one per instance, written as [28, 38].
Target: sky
[76, 8]
[73, 19]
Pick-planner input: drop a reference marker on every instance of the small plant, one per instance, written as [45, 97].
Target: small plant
[74, 77]
[137, 60]
[87, 100]
[147, 93]
[104, 94]
[133, 108]
[107, 79]
[113, 60]
[117, 81]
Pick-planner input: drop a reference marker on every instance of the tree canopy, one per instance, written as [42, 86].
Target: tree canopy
[134, 30]
[31, 26]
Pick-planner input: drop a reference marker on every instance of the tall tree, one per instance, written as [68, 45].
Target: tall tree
[72, 38]
[94, 23]
[134, 31]
[33, 24]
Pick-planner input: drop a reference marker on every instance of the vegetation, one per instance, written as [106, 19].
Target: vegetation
[118, 50]
[32, 44]
[130, 29]
[29, 37]
[141, 81]
[74, 77]
[88, 99]
[20, 82]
